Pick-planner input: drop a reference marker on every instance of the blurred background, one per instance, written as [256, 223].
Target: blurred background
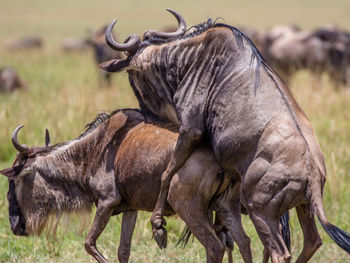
[49, 51]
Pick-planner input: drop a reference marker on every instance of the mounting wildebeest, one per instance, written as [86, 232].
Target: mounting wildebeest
[9, 80]
[213, 83]
[115, 164]
[102, 53]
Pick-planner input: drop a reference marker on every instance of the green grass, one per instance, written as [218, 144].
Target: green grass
[63, 95]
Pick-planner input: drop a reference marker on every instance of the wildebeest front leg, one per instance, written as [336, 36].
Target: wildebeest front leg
[187, 140]
[128, 225]
[104, 211]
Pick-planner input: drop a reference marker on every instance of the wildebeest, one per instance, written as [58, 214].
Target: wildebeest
[288, 49]
[214, 84]
[74, 44]
[116, 164]
[102, 53]
[9, 80]
[338, 43]
[24, 43]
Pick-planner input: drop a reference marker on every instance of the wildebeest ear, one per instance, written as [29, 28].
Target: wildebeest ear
[116, 65]
[12, 172]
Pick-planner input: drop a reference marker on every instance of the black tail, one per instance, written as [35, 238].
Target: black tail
[284, 221]
[185, 237]
[340, 237]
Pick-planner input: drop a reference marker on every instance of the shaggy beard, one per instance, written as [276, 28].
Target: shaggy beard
[38, 223]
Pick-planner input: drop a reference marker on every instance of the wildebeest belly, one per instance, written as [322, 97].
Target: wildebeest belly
[140, 161]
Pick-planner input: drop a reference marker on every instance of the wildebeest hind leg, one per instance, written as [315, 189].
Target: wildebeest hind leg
[229, 209]
[104, 211]
[268, 231]
[128, 225]
[312, 240]
[187, 140]
[195, 214]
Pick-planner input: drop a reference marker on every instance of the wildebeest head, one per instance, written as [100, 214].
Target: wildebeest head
[21, 177]
[133, 43]
[141, 67]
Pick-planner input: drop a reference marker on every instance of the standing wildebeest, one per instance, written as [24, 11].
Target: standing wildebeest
[117, 165]
[24, 43]
[102, 53]
[75, 44]
[9, 80]
[289, 49]
[338, 65]
[215, 85]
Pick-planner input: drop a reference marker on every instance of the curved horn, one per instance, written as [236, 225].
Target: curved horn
[131, 43]
[21, 148]
[180, 31]
[47, 138]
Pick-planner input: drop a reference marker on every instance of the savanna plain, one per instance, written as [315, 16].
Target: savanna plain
[63, 95]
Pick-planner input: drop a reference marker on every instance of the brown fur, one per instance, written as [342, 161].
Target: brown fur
[115, 164]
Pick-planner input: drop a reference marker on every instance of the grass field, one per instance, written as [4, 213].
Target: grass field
[63, 96]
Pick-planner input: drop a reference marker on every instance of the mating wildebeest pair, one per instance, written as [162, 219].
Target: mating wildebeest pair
[213, 83]
[116, 164]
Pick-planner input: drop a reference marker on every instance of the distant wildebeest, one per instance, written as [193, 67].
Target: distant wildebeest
[24, 43]
[116, 164]
[338, 63]
[74, 44]
[289, 49]
[9, 80]
[214, 84]
[102, 53]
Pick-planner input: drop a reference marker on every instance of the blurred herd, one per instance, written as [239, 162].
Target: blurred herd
[288, 48]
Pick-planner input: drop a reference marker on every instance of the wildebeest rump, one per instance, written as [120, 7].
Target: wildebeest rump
[116, 164]
[215, 85]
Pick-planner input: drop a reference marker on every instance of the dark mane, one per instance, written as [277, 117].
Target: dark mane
[106, 115]
[191, 32]
[100, 118]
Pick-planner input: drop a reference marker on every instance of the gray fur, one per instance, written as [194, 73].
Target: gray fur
[225, 93]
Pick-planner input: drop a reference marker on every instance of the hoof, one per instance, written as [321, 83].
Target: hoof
[160, 236]
[229, 241]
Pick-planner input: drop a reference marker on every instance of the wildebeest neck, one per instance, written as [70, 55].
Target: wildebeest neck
[171, 71]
